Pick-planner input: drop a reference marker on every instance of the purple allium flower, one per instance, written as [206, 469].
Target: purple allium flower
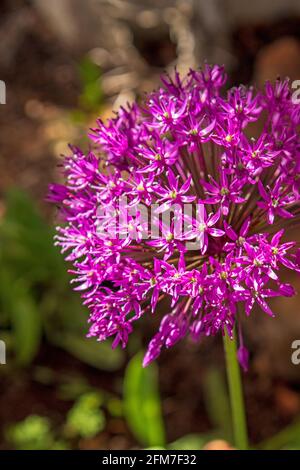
[186, 145]
[205, 226]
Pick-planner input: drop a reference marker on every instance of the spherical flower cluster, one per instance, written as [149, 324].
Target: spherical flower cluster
[233, 159]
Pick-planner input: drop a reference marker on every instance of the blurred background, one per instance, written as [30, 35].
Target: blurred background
[64, 63]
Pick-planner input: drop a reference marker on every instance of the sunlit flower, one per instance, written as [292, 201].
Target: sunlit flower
[186, 144]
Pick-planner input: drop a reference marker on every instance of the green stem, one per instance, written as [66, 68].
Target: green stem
[236, 393]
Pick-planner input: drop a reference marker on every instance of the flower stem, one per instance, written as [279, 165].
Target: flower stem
[235, 393]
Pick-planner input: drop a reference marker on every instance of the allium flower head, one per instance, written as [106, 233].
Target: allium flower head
[228, 189]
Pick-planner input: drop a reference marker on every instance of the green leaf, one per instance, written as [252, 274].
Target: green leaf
[88, 70]
[28, 241]
[115, 407]
[217, 402]
[287, 438]
[86, 419]
[27, 324]
[190, 442]
[34, 433]
[155, 448]
[91, 95]
[142, 404]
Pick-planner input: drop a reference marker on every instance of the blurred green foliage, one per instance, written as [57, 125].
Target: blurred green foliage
[34, 433]
[90, 76]
[287, 439]
[86, 419]
[191, 442]
[217, 402]
[142, 402]
[35, 296]
[36, 303]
